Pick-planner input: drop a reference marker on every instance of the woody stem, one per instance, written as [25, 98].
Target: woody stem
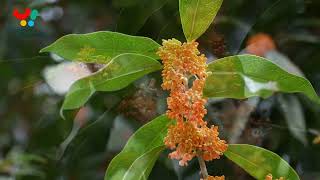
[203, 168]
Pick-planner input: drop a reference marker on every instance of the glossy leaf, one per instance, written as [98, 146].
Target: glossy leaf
[197, 15]
[101, 47]
[245, 76]
[117, 74]
[259, 162]
[136, 160]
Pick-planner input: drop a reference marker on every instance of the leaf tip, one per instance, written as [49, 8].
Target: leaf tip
[44, 50]
[61, 113]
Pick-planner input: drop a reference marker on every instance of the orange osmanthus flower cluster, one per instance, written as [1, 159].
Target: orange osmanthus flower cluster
[184, 75]
[215, 178]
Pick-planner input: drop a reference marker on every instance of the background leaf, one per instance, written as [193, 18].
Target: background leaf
[259, 162]
[137, 158]
[245, 76]
[197, 15]
[139, 13]
[292, 111]
[100, 47]
[117, 74]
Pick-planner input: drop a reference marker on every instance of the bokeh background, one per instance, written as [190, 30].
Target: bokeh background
[36, 143]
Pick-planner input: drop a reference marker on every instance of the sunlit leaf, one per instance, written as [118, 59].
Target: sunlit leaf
[245, 76]
[259, 162]
[117, 74]
[136, 160]
[197, 15]
[101, 47]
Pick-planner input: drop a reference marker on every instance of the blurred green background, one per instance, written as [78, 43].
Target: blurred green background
[35, 143]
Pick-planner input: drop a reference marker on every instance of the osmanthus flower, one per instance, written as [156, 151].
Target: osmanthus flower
[260, 44]
[182, 62]
[269, 177]
[215, 178]
[184, 75]
[190, 141]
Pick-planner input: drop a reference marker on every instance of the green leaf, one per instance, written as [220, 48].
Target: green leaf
[245, 76]
[197, 15]
[136, 160]
[101, 47]
[259, 162]
[117, 74]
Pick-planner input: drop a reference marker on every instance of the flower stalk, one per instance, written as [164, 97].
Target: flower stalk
[203, 168]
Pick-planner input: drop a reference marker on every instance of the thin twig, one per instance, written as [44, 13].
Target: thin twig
[203, 168]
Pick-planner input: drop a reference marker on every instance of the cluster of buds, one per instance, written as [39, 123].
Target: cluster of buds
[269, 177]
[184, 75]
[215, 178]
